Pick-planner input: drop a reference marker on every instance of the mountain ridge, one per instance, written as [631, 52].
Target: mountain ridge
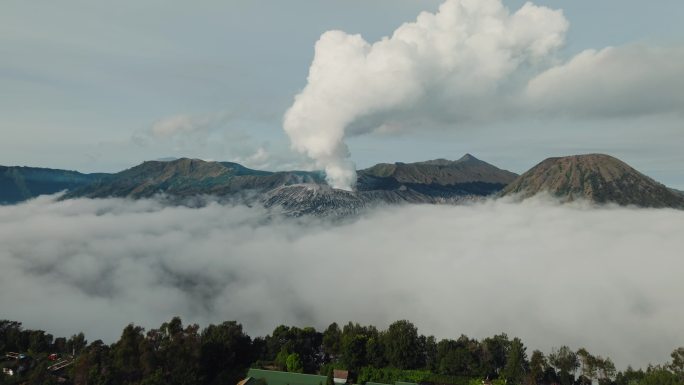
[599, 178]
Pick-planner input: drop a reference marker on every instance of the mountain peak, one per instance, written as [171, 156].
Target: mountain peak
[441, 172]
[467, 158]
[599, 178]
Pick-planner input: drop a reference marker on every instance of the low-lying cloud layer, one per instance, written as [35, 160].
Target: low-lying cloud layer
[608, 279]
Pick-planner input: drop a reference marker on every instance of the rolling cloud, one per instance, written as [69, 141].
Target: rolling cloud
[608, 278]
[629, 80]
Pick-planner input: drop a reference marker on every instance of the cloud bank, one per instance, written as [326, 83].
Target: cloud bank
[625, 81]
[608, 279]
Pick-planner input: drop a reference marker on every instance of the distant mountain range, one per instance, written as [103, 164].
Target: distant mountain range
[599, 178]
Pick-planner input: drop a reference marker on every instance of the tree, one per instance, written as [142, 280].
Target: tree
[127, 355]
[294, 363]
[354, 351]
[305, 342]
[281, 359]
[375, 353]
[39, 375]
[402, 345]
[605, 370]
[93, 365]
[677, 364]
[493, 352]
[430, 349]
[332, 340]
[39, 342]
[588, 364]
[538, 366]
[225, 352]
[566, 362]
[454, 358]
[629, 376]
[660, 376]
[179, 350]
[516, 363]
[330, 379]
[76, 343]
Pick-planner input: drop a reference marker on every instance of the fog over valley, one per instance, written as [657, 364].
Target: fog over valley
[606, 278]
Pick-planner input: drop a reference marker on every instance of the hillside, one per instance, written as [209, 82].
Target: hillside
[300, 192]
[189, 177]
[597, 177]
[21, 183]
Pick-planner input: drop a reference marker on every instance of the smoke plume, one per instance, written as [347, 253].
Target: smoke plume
[452, 58]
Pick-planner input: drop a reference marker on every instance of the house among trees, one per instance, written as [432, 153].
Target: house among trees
[340, 376]
[396, 383]
[274, 377]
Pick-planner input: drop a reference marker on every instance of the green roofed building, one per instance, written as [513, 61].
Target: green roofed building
[272, 377]
[396, 383]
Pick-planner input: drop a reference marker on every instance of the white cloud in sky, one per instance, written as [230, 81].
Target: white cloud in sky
[604, 278]
[630, 80]
[221, 136]
[180, 124]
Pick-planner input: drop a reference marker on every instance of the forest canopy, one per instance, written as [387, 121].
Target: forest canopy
[179, 354]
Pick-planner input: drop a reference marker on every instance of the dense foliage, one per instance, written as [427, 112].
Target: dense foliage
[222, 354]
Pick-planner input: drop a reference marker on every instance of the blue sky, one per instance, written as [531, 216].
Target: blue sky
[98, 86]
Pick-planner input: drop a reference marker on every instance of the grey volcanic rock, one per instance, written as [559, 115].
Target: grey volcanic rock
[597, 177]
[314, 199]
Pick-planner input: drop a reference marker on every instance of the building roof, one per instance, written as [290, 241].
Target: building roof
[341, 374]
[396, 383]
[246, 381]
[272, 377]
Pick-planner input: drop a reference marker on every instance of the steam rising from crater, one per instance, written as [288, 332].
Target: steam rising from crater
[445, 60]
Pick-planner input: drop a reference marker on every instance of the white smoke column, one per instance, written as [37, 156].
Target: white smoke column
[459, 53]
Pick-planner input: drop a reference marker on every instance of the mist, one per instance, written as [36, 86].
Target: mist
[604, 278]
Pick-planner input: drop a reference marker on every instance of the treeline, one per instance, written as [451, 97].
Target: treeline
[222, 354]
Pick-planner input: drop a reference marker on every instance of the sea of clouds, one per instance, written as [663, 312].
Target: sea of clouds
[604, 278]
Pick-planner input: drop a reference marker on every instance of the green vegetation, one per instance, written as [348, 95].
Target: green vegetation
[223, 354]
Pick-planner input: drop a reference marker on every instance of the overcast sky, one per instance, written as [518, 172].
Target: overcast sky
[98, 86]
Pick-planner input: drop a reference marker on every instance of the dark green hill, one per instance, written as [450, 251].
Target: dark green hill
[467, 175]
[189, 177]
[21, 183]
